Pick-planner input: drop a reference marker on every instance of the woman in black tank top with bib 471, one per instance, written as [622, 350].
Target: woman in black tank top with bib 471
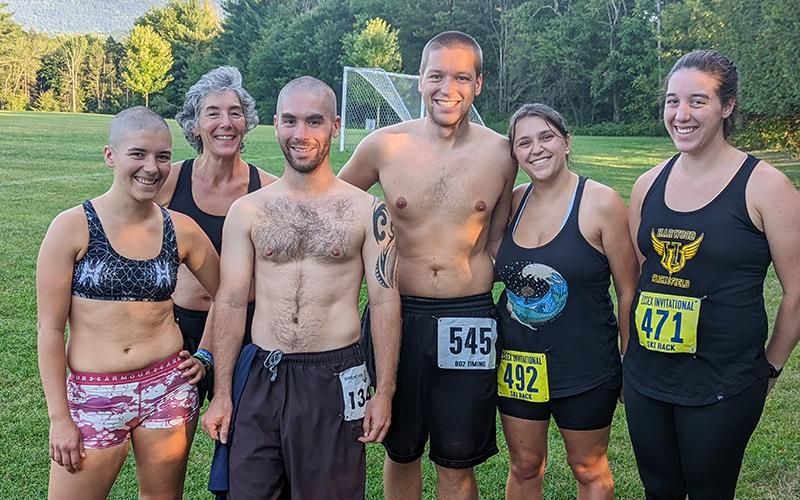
[706, 223]
[559, 334]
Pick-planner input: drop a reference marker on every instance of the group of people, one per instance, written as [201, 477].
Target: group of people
[158, 295]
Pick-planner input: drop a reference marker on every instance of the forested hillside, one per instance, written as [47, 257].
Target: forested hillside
[600, 62]
[106, 17]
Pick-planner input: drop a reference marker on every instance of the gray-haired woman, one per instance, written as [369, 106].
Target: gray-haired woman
[217, 114]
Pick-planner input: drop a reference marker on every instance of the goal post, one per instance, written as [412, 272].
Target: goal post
[373, 98]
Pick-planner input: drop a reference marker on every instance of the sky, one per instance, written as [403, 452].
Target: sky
[80, 16]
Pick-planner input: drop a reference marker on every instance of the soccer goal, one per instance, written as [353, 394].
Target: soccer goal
[374, 98]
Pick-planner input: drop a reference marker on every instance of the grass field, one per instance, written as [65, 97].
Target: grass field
[51, 162]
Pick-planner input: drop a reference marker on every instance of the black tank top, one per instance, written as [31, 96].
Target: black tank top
[725, 267]
[183, 201]
[557, 302]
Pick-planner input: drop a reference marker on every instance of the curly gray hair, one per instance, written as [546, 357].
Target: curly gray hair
[217, 80]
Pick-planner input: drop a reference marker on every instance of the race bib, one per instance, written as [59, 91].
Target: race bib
[467, 343]
[355, 389]
[523, 376]
[667, 323]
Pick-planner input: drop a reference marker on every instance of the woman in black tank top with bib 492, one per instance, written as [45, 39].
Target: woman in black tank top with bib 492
[707, 223]
[217, 113]
[559, 335]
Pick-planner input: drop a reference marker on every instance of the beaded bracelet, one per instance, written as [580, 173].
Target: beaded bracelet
[206, 358]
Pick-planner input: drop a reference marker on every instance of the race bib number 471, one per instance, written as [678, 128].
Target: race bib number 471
[467, 343]
[667, 323]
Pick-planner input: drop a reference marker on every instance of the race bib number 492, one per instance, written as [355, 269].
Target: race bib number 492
[523, 376]
[355, 389]
[667, 323]
[467, 343]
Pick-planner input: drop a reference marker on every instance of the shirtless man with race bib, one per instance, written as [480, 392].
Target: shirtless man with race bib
[448, 187]
[298, 426]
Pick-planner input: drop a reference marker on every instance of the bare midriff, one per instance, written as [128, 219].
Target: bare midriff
[118, 336]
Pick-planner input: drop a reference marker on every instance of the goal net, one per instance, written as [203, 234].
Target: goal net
[374, 98]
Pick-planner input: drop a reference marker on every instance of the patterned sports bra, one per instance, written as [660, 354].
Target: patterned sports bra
[103, 274]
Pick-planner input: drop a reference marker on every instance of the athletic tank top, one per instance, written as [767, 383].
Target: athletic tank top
[715, 254]
[557, 302]
[183, 201]
[103, 274]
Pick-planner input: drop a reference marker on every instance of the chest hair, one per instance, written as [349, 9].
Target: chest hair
[287, 230]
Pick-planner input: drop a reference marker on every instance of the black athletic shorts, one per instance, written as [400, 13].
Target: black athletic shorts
[456, 408]
[192, 323]
[297, 427]
[587, 411]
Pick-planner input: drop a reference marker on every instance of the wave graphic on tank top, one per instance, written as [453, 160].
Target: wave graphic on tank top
[536, 293]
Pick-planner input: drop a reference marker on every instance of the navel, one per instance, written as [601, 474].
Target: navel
[401, 202]
[480, 206]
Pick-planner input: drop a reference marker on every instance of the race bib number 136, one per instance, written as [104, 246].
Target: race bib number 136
[467, 343]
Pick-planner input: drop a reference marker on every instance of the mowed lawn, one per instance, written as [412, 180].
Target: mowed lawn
[51, 162]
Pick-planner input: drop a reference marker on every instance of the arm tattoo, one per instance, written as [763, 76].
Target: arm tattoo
[383, 230]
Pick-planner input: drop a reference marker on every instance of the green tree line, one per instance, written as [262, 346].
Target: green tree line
[602, 63]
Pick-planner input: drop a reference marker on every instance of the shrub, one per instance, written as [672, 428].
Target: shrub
[769, 132]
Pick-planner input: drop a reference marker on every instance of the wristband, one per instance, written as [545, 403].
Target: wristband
[774, 372]
[205, 357]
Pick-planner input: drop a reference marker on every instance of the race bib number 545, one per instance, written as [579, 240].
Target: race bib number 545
[667, 323]
[467, 343]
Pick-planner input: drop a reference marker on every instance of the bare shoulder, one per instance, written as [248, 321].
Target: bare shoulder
[643, 183]
[362, 200]
[518, 194]
[69, 230]
[393, 140]
[265, 177]
[164, 196]
[646, 179]
[71, 219]
[495, 146]
[601, 197]
[770, 189]
[183, 224]
[766, 177]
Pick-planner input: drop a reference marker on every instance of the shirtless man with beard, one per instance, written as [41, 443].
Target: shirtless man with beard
[299, 424]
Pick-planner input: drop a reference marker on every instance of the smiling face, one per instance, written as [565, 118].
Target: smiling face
[141, 162]
[449, 84]
[693, 112]
[221, 125]
[540, 151]
[304, 128]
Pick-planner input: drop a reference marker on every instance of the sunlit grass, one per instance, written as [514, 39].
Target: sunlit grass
[51, 161]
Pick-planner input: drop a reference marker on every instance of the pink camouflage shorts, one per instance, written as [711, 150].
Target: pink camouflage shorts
[107, 406]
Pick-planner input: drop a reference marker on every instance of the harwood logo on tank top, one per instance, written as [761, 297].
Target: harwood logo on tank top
[674, 254]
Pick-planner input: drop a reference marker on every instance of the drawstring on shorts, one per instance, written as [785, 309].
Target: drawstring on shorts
[271, 363]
